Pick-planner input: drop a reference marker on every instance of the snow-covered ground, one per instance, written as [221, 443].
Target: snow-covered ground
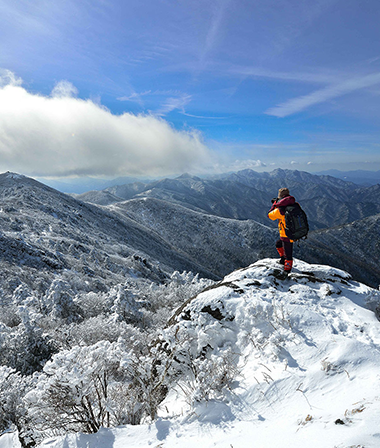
[304, 358]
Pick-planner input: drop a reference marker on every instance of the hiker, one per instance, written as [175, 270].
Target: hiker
[284, 245]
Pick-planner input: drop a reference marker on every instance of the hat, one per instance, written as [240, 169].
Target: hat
[282, 192]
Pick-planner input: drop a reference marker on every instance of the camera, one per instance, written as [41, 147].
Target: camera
[274, 200]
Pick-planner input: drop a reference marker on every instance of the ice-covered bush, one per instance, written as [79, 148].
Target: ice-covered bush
[200, 371]
[13, 387]
[73, 391]
[96, 329]
[210, 377]
[25, 348]
[59, 301]
[100, 366]
[93, 304]
[95, 386]
[164, 298]
[9, 316]
[125, 306]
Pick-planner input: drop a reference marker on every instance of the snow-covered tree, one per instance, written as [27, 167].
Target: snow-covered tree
[13, 387]
[95, 386]
[25, 348]
[96, 329]
[59, 301]
[125, 305]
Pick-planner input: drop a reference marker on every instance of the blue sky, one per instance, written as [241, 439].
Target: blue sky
[151, 87]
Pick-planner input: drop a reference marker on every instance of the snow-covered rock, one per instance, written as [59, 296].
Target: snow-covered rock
[269, 363]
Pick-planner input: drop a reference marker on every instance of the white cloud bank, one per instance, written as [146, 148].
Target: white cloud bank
[62, 135]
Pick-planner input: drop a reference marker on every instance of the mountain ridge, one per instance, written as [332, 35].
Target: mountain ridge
[186, 246]
[247, 194]
[219, 243]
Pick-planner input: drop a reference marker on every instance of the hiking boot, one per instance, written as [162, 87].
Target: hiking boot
[281, 261]
[288, 265]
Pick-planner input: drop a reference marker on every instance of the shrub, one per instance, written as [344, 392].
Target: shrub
[13, 387]
[89, 387]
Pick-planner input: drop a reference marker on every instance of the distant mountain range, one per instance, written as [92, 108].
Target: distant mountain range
[247, 195]
[188, 224]
[360, 177]
[331, 204]
[85, 184]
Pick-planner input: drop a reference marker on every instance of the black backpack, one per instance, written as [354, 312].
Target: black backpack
[296, 223]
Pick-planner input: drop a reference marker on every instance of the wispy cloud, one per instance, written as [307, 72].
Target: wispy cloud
[203, 117]
[322, 95]
[174, 103]
[317, 76]
[372, 60]
[213, 32]
[60, 135]
[169, 100]
[135, 97]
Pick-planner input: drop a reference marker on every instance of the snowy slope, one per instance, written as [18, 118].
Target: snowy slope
[217, 244]
[46, 234]
[266, 363]
[353, 247]
[246, 195]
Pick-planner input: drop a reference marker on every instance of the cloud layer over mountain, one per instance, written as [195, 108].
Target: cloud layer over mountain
[62, 135]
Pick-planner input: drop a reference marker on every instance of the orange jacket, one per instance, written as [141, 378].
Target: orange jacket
[275, 213]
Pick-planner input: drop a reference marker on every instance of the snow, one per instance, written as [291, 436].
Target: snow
[10, 175]
[10, 440]
[307, 356]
